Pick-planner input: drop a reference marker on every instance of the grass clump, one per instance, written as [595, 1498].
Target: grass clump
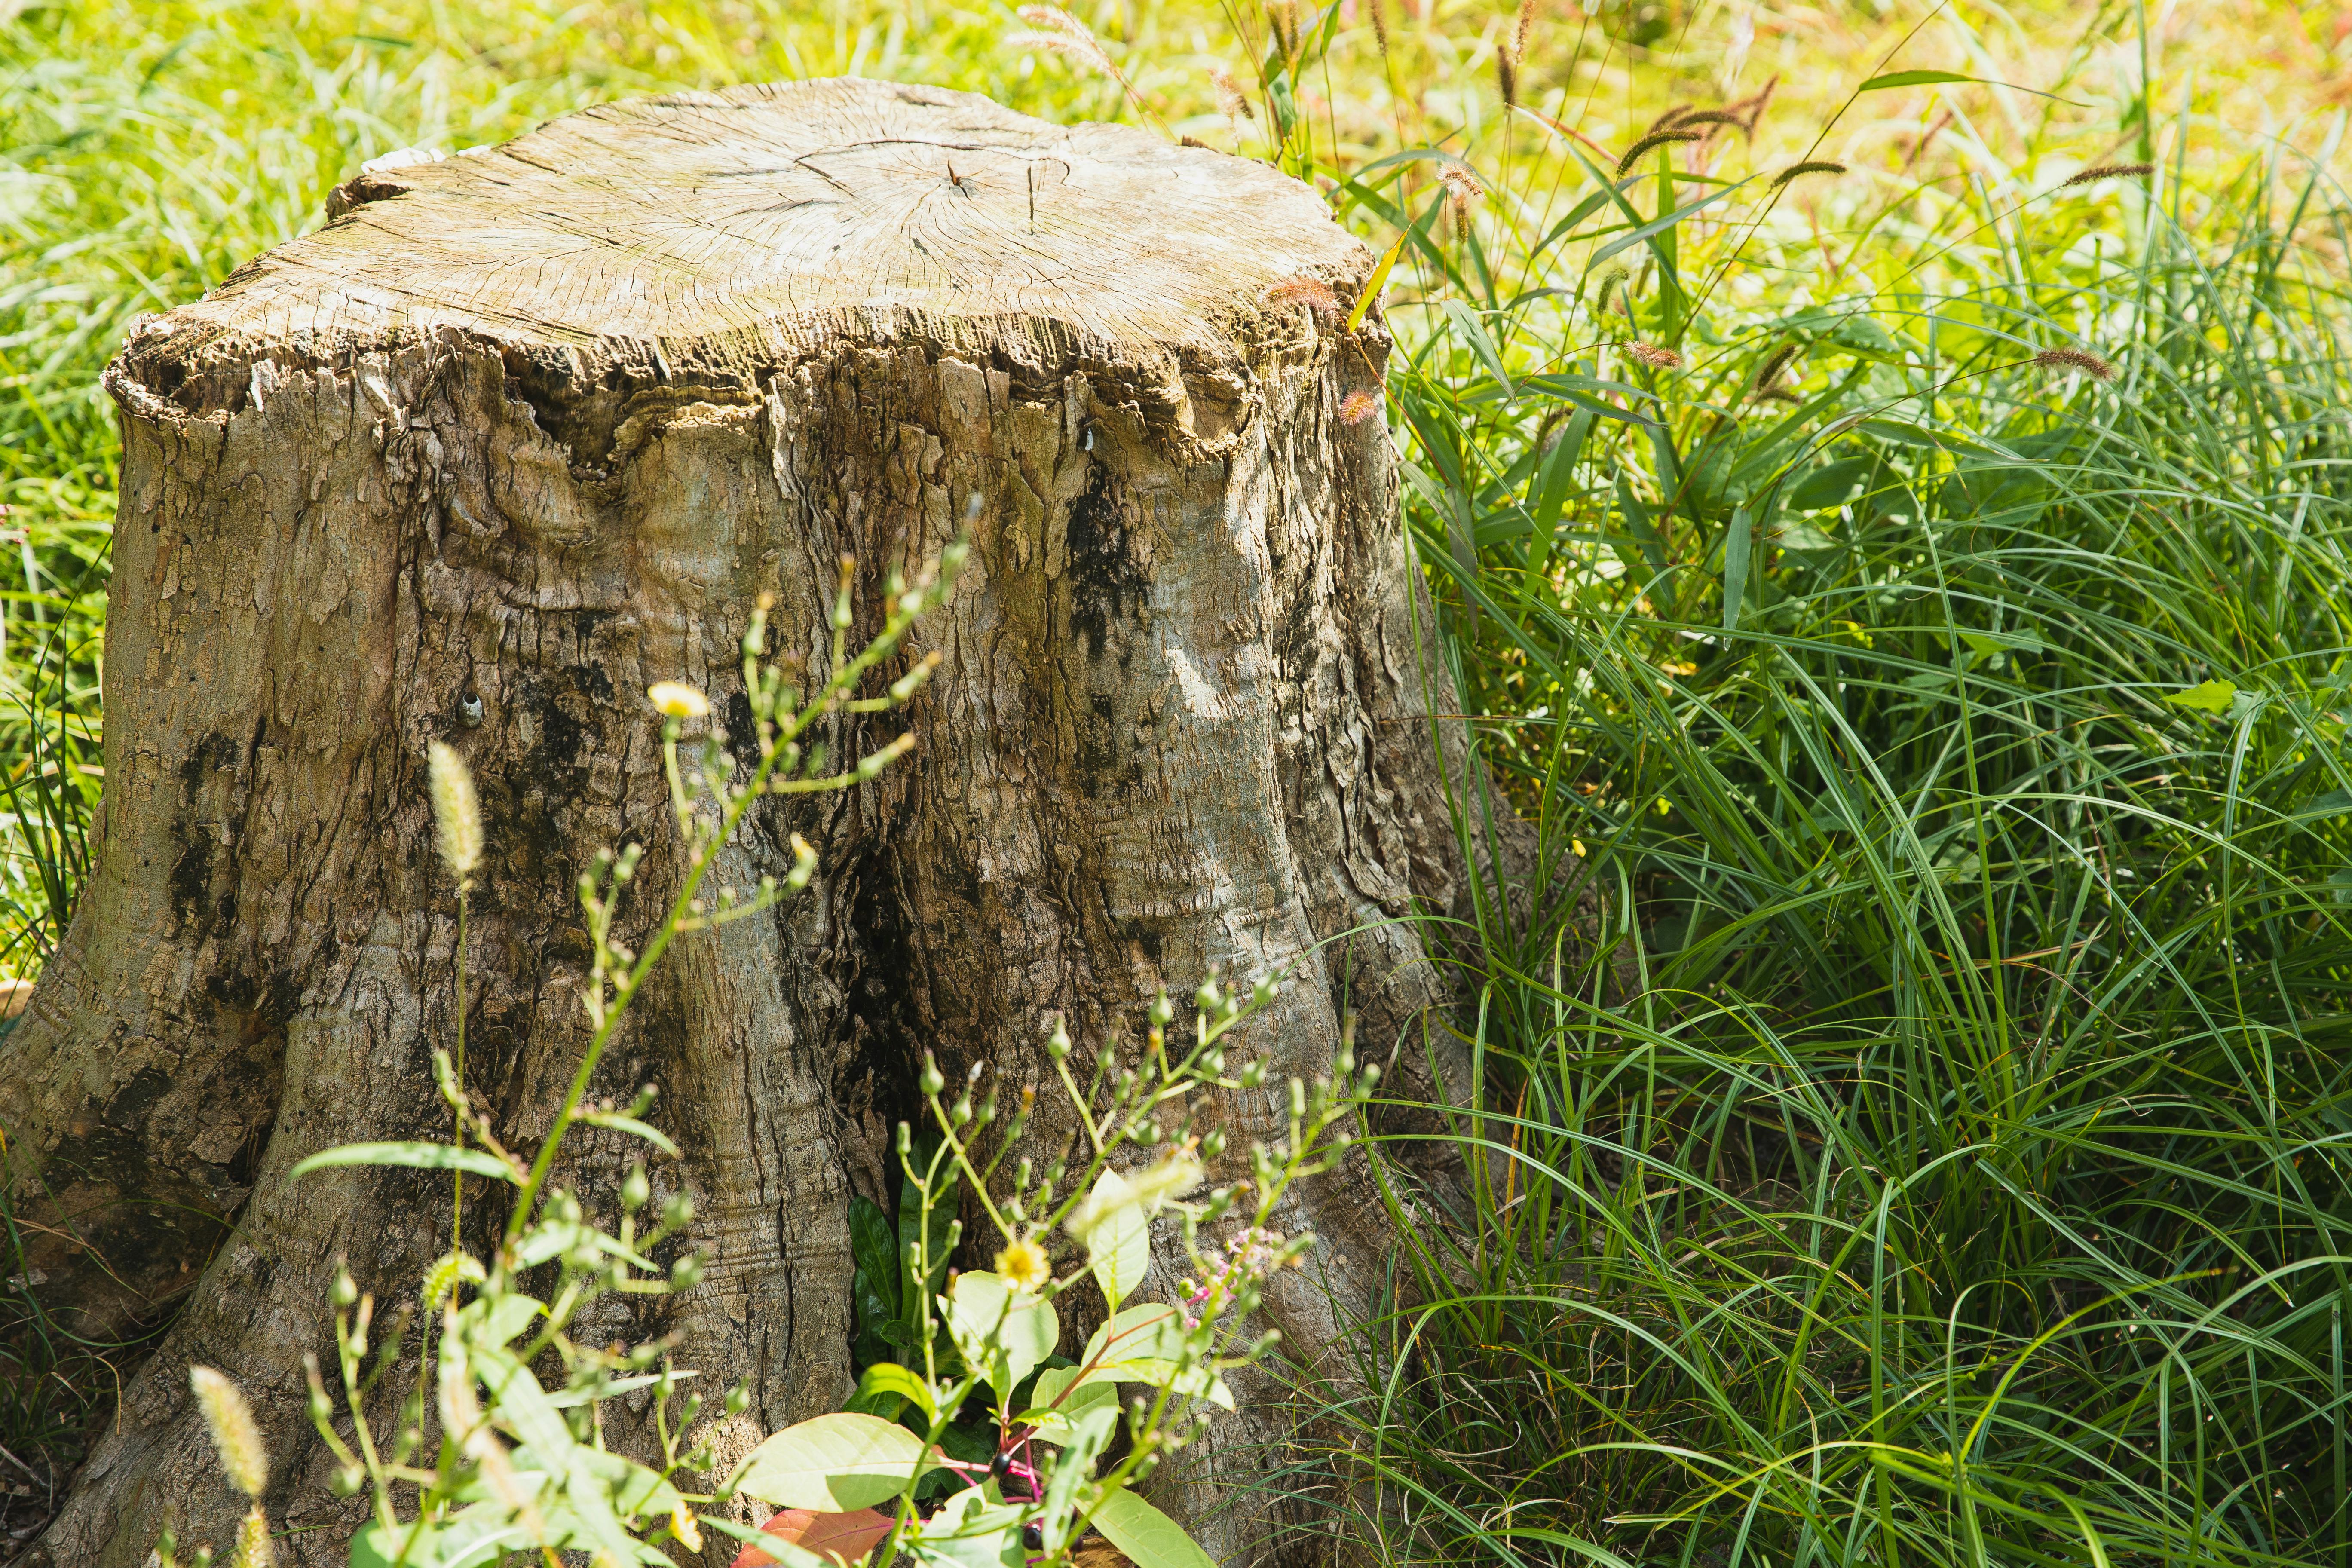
[1915, 1132]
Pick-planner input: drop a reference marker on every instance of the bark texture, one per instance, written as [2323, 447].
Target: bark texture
[517, 433]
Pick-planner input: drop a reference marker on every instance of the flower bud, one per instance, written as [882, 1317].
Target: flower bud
[803, 864]
[739, 1399]
[933, 1080]
[1253, 1074]
[1212, 1143]
[1057, 1044]
[678, 1212]
[345, 1292]
[1162, 1009]
[687, 1272]
[636, 1191]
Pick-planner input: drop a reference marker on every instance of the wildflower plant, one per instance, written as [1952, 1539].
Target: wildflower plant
[488, 1459]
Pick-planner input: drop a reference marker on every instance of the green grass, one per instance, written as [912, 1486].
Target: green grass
[1915, 1132]
[1940, 1157]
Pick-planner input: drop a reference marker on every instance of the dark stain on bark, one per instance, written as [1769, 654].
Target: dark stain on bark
[1106, 585]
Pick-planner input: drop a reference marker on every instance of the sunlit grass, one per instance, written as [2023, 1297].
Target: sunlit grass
[1938, 1154]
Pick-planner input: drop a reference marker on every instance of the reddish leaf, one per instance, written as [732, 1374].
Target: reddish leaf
[846, 1538]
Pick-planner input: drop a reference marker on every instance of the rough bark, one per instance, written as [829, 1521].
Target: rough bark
[533, 429]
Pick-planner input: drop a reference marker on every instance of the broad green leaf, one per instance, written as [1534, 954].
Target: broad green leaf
[1830, 484]
[504, 1316]
[973, 1533]
[554, 1237]
[1058, 1410]
[1025, 1330]
[888, 1380]
[1148, 1537]
[629, 1486]
[875, 1285]
[1735, 550]
[586, 1489]
[1152, 1328]
[411, 1156]
[524, 1405]
[471, 1540]
[2210, 697]
[1118, 1250]
[835, 1464]
[1072, 1468]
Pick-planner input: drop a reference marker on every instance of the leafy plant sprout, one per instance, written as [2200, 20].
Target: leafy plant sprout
[993, 1332]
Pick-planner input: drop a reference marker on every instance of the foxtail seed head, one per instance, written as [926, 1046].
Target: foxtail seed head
[1811, 166]
[2089, 364]
[253, 1547]
[2108, 172]
[1653, 140]
[456, 820]
[235, 1433]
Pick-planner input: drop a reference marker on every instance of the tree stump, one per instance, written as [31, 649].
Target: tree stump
[516, 433]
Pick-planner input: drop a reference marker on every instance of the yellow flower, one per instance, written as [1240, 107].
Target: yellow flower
[683, 1524]
[1022, 1266]
[678, 699]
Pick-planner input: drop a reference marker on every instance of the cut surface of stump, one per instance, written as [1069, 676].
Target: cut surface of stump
[519, 432]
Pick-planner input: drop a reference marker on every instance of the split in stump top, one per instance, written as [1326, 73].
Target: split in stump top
[741, 227]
